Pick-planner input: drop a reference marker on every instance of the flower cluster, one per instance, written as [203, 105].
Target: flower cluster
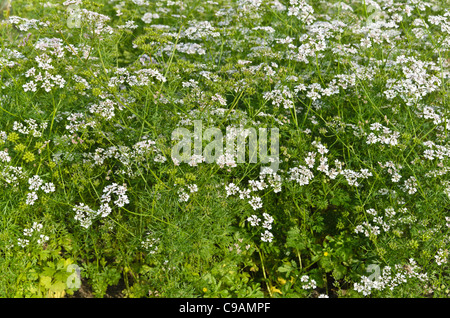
[357, 90]
[139, 154]
[280, 97]
[301, 10]
[308, 283]
[441, 257]
[303, 175]
[104, 108]
[85, 215]
[24, 24]
[142, 77]
[36, 184]
[199, 30]
[386, 136]
[266, 224]
[12, 175]
[4, 156]
[31, 128]
[239, 246]
[148, 17]
[376, 222]
[416, 82]
[32, 232]
[150, 244]
[267, 179]
[390, 279]
[183, 195]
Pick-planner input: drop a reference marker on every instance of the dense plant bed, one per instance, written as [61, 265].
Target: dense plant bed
[249, 148]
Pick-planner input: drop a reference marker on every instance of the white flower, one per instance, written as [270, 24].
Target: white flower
[128, 25]
[441, 257]
[4, 157]
[266, 236]
[84, 214]
[31, 198]
[37, 226]
[42, 239]
[410, 185]
[183, 196]
[104, 109]
[226, 159]
[104, 210]
[22, 242]
[267, 225]
[118, 190]
[195, 160]
[302, 175]
[48, 187]
[192, 188]
[390, 212]
[254, 220]
[149, 245]
[30, 86]
[255, 202]
[268, 220]
[244, 194]
[35, 183]
[147, 17]
[27, 232]
[231, 189]
[257, 185]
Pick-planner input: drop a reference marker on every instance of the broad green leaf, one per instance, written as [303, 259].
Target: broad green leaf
[46, 281]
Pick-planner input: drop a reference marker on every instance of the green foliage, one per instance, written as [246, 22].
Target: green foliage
[92, 94]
